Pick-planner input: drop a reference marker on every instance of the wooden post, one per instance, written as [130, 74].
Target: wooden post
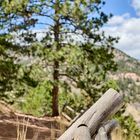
[102, 134]
[82, 133]
[110, 125]
[106, 106]
[105, 130]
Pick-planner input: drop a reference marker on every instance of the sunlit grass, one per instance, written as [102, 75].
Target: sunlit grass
[22, 129]
[118, 134]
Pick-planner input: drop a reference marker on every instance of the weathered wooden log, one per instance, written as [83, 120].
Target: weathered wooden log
[102, 134]
[106, 106]
[82, 133]
[105, 130]
[66, 117]
[110, 125]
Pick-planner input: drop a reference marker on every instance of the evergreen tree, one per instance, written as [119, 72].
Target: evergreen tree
[72, 45]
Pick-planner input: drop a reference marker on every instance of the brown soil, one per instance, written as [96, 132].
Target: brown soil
[12, 123]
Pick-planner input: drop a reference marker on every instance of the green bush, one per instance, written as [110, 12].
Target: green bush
[129, 128]
[38, 101]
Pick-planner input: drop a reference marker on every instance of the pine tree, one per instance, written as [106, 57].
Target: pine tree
[71, 33]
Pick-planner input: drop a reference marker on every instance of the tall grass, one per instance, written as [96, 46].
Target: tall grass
[23, 125]
[119, 134]
[22, 128]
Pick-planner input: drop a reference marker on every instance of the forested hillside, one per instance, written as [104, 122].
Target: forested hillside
[127, 78]
[127, 75]
[126, 63]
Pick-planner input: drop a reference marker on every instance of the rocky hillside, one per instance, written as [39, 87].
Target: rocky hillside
[127, 75]
[128, 80]
[127, 64]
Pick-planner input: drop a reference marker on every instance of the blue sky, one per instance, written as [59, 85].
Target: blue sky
[119, 7]
[125, 24]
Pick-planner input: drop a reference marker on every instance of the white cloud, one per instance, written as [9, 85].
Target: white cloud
[136, 5]
[116, 20]
[128, 29]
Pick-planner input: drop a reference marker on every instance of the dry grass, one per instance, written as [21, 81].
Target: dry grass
[118, 134]
[22, 128]
[35, 137]
[54, 131]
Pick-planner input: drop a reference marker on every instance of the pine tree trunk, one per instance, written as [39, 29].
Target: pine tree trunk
[55, 90]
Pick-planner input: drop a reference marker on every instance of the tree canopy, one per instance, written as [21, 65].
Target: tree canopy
[65, 39]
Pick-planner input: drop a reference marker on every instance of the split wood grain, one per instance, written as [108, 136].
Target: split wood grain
[98, 113]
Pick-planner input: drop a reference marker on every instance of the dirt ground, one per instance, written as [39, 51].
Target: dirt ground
[13, 125]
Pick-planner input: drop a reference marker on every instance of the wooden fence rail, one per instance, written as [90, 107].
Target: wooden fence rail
[82, 133]
[105, 130]
[92, 123]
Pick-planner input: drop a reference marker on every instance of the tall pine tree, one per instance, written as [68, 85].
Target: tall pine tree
[72, 39]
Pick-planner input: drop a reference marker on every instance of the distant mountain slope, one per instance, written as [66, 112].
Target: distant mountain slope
[126, 63]
[128, 80]
[127, 75]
